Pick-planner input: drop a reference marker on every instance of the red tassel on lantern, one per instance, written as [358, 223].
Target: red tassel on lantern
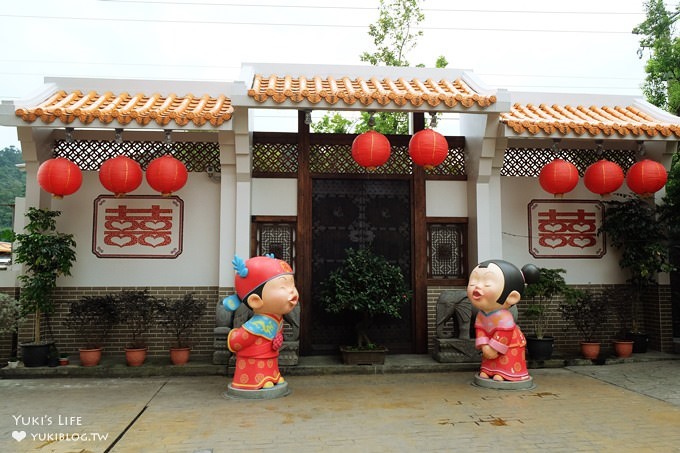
[646, 177]
[558, 177]
[166, 175]
[59, 176]
[603, 177]
[428, 148]
[371, 149]
[120, 175]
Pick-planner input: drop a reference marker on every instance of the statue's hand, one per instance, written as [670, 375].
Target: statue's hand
[277, 342]
[488, 352]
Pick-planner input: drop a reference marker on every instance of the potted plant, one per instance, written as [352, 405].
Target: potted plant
[633, 227]
[137, 311]
[46, 255]
[365, 285]
[92, 318]
[540, 296]
[10, 317]
[180, 316]
[587, 312]
[619, 299]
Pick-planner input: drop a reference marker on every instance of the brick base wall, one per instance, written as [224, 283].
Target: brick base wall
[158, 338]
[657, 320]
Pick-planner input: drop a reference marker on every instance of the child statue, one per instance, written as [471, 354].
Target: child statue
[266, 285]
[495, 286]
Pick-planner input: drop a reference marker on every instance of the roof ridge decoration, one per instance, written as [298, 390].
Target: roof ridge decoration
[125, 108]
[580, 120]
[350, 90]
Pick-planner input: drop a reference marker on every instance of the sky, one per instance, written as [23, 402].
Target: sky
[575, 46]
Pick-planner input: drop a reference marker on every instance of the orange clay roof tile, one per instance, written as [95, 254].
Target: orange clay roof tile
[580, 120]
[350, 90]
[124, 108]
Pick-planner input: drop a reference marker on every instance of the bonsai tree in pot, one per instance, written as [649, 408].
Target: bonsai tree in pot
[367, 286]
[633, 227]
[92, 319]
[180, 316]
[540, 295]
[587, 312]
[46, 255]
[137, 311]
[10, 318]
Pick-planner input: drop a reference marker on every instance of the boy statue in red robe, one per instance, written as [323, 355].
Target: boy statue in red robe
[266, 285]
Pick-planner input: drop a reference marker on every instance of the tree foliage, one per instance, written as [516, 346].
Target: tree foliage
[394, 36]
[12, 185]
[658, 37]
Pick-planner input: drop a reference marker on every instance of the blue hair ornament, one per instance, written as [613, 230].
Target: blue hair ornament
[240, 266]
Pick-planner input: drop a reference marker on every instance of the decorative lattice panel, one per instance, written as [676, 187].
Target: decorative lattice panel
[530, 161]
[331, 154]
[454, 164]
[337, 159]
[90, 154]
[444, 248]
[275, 158]
[277, 238]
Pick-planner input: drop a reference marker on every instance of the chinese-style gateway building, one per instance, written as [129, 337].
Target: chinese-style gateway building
[301, 195]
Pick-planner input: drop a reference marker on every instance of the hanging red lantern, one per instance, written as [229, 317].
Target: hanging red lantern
[558, 177]
[120, 175]
[603, 177]
[371, 149]
[428, 148]
[166, 174]
[59, 176]
[646, 177]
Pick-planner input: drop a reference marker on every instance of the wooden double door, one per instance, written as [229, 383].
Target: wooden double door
[355, 213]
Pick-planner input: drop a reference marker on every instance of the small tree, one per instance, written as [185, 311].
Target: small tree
[46, 255]
[92, 319]
[137, 310]
[180, 316]
[366, 285]
[586, 311]
[550, 284]
[632, 226]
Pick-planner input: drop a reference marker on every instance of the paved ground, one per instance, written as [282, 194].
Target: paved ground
[617, 408]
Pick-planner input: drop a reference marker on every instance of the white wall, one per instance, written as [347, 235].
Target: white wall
[517, 192]
[446, 199]
[197, 265]
[274, 196]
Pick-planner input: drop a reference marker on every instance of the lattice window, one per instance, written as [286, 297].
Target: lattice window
[337, 159]
[277, 237]
[279, 158]
[530, 161]
[276, 154]
[445, 250]
[90, 154]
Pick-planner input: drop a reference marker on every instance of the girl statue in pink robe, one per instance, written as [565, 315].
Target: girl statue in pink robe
[494, 286]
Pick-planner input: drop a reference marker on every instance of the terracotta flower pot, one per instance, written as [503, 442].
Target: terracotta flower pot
[179, 356]
[135, 357]
[90, 357]
[623, 348]
[590, 350]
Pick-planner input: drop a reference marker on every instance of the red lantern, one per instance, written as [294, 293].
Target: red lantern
[558, 177]
[166, 175]
[120, 175]
[603, 177]
[428, 148]
[371, 149]
[59, 176]
[646, 177]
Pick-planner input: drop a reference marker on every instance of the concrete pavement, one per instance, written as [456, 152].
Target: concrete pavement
[620, 407]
